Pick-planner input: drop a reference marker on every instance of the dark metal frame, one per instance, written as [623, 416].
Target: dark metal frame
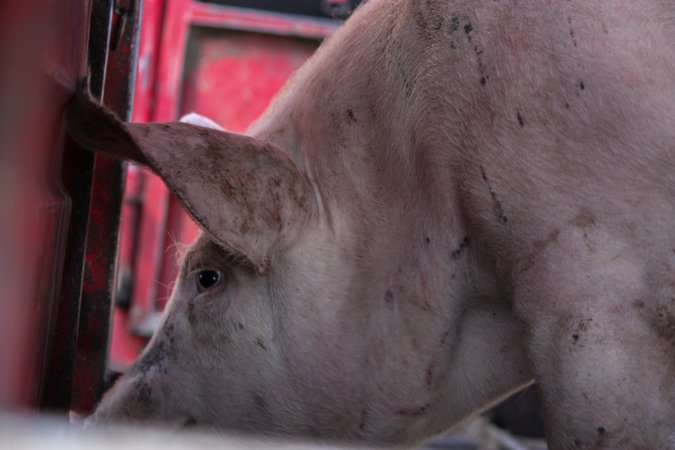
[74, 377]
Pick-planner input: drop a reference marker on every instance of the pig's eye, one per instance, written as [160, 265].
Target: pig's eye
[208, 279]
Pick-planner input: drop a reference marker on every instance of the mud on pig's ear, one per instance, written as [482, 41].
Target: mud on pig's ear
[245, 192]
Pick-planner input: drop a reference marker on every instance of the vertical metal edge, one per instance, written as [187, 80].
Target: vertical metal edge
[77, 176]
[94, 328]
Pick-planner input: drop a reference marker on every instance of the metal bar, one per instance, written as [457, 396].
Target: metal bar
[77, 175]
[103, 233]
[234, 18]
[125, 345]
[171, 57]
[149, 44]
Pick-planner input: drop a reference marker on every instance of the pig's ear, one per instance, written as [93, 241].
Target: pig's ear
[245, 192]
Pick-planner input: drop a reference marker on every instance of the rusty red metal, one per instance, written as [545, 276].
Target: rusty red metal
[148, 56]
[91, 354]
[204, 54]
[255, 66]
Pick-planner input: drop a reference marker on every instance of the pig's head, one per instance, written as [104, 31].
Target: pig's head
[282, 321]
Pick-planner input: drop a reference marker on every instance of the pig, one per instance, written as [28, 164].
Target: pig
[449, 201]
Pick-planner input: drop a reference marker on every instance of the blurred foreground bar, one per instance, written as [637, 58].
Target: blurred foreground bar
[55, 433]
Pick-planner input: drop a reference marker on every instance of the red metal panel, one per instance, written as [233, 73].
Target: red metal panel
[232, 76]
[33, 205]
[171, 58]
[148, 57]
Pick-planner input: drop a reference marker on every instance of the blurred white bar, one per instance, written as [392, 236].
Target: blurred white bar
[44, 433]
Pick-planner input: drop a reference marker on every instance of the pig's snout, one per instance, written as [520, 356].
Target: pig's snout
[140, 396]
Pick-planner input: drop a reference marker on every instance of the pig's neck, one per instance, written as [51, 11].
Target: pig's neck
[357, 120]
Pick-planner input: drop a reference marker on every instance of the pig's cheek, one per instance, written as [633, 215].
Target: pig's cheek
[205, 316]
